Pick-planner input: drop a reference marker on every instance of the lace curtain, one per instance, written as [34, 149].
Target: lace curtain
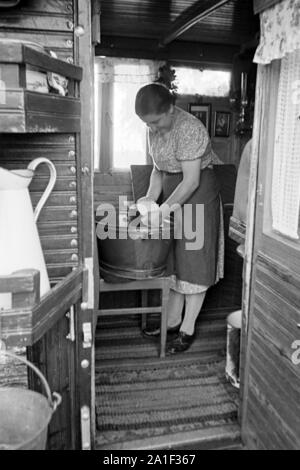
[115, 70]
[120, 136]
[280, 31]
[286, 167]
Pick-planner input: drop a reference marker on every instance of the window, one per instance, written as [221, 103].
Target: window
[192, 81]
[120, 136]
[129, 132]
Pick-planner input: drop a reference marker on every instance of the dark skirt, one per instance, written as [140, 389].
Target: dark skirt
[195, 260]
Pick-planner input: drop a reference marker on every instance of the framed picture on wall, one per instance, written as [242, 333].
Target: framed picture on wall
[203, 112]
[222, 124]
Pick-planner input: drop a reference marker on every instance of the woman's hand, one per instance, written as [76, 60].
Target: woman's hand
[149, 211]
[165, 216]
[141, 202]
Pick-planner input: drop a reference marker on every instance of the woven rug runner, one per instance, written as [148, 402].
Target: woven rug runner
[139, 396]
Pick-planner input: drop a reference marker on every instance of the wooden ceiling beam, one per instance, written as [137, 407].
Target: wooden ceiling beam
[200, 54]
[191, 16]
[260, 5]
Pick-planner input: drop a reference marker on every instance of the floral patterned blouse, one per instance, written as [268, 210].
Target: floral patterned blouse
[187, 140]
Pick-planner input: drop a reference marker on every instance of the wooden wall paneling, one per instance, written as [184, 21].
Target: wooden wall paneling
[256, 435]
[271, 387]
[276, 382]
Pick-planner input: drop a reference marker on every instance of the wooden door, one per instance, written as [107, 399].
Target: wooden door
[271, 390]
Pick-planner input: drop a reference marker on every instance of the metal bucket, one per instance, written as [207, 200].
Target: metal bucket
[25, 414]
[133, 254]
[233, 348]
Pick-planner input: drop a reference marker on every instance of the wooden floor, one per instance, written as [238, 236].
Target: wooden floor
[220, 438]
[223, 437]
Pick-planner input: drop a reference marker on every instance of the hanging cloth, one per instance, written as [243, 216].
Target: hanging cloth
[285, 197]
[280, 31]
[118, 70]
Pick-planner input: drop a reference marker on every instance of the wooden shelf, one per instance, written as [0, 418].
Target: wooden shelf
[26, 111]
[30, 318]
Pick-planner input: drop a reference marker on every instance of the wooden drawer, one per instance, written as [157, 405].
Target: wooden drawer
[60, 242]
[56, 198]
[53, 257]
[58, 228]
[29, 111]
[57, 272]
[25, 148]
[58, 214]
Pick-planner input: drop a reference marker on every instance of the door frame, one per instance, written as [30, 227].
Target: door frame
[84, 56]
[264, 126]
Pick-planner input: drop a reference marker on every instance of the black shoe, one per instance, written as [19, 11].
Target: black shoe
[181, 343]
[154, 332]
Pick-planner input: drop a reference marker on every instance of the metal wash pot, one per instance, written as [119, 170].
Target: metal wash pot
[129, 253]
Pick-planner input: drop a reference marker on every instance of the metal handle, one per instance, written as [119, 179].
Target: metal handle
[54, 400]
[32, 166]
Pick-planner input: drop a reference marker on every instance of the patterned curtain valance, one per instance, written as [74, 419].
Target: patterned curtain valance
[117, 70]
[280, 31]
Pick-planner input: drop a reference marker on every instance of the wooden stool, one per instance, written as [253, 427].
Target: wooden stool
[144, 285]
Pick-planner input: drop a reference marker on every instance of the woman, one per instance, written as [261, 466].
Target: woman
[181, 151]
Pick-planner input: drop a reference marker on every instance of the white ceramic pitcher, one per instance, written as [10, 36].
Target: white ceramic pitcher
[20, 246]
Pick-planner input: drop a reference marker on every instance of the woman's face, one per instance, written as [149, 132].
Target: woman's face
[161, 123]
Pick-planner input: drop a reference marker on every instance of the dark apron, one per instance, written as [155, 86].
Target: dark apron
[196, 265]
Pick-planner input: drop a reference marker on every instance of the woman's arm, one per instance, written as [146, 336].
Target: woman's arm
[155, 186]
[189, 183]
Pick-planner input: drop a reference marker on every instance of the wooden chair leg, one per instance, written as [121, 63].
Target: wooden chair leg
[163, 317]
[144, 294]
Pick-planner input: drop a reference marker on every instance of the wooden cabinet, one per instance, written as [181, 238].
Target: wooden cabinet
[24, 110]
[54, 329]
